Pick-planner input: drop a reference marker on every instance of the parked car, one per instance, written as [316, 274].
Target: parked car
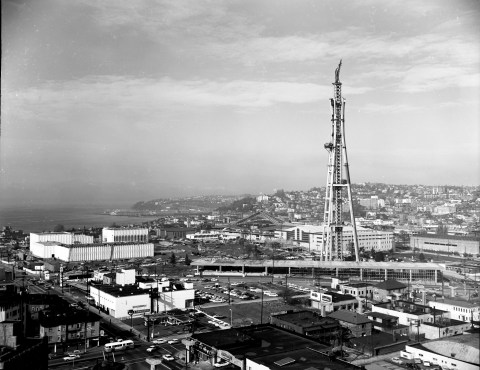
[221, 364]
[426, 363]
[397, 360]
[168, 357]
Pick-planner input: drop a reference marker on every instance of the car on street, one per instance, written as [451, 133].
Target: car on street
[152, 348]
[168, 357]
[427, 363]
[173, 341]
[397, 360]
[70, 357]
[221, 364]
[159, 341]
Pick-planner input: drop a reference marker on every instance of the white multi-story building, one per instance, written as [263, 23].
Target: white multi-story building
[124, 235]
[459, 310]
[92, 252]
[39, 242]
[311, 237]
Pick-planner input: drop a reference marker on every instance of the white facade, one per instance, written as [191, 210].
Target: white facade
[311, 237]
[117, 305]
[449, 353]
[125, 277]
[92, 252]
[117, 300]
[43, 244]
[459, 310]
[124, 235]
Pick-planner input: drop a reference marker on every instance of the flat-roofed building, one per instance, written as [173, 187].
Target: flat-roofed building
[117, 300]
[459, 310]
[308, 323]
[460, 352]
[43, 244]
[69, 325]
[387, 324]
[124, 235]
[328, 302]
[262, 347]
[93, 252]
[446, 243]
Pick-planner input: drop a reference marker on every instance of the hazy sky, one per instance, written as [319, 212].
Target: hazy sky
[105, 100]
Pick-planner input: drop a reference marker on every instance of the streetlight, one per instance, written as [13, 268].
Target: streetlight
[131, 312]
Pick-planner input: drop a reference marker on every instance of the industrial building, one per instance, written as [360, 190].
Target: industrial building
[460, 352]
[43, 244]
[422, 320]
[459, 310]
[92, 252]
[459, 245]
[124, 235]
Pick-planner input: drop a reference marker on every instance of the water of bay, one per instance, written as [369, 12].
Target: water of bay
[44, 218]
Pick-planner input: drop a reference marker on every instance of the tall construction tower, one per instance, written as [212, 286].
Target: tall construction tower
[338, 180]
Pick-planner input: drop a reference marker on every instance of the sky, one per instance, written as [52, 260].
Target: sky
[124, 100]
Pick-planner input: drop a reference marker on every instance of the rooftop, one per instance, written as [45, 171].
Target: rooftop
[120, 291]
[381, 315]
[378, 339]
[300, 359]
[350, 317]
[53, 318]
[305, 318]
[390, 285]
[461, 347]
[458, 303]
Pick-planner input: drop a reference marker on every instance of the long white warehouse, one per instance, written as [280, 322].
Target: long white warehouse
[92, 252]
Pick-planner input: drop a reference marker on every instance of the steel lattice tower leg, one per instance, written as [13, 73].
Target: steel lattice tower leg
[338, 178]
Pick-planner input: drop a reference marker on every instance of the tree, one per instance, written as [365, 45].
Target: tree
[421, 257]
[379, 256]
[188, 261]
[173, 259]
[59, 228]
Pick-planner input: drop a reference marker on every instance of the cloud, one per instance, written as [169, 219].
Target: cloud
[149, 97]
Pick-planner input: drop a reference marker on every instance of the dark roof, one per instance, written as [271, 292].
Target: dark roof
[390, 285]
[350, 317]
[51, 318]
[380, 315]
[339, 297]
[305, 318]
[378, 339]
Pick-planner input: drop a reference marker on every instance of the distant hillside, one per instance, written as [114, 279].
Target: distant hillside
[241, 205]
[191, 204]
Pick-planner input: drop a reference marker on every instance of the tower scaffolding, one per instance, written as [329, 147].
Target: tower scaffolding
[338, 178]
